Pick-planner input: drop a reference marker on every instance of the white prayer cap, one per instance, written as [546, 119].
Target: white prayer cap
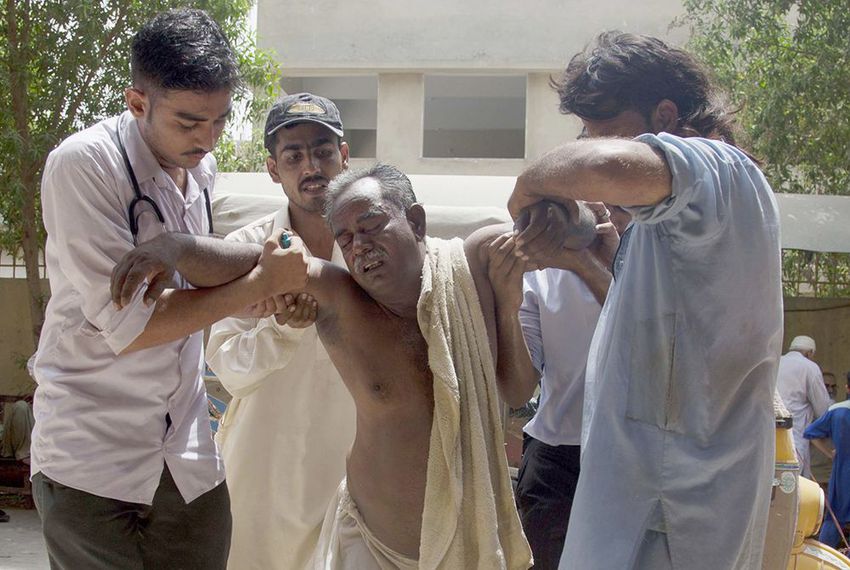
[803, 343]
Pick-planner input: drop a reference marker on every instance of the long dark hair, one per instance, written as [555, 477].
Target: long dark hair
[633, 72]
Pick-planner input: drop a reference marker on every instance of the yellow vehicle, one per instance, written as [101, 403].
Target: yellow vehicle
[796, 512]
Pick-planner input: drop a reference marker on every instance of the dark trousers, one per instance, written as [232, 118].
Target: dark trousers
[546, 485]
[86, 531]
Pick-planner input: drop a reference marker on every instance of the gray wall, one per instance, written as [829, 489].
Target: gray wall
[447, 34]
[374, 55]
[15, 337]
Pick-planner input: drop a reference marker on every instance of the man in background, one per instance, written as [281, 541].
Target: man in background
[16, 422]
[834, 426]
[800, 385]
[558, 314]
[830, 384]
[286, 433]
[16, 430]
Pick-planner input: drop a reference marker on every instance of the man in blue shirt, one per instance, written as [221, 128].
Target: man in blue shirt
[835, 425]
[678, 426]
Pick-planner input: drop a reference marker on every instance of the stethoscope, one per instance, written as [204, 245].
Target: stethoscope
[140, 198]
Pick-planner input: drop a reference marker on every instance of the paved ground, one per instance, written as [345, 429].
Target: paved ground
[21, 543]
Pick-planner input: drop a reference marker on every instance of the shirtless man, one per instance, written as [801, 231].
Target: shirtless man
[370, 325]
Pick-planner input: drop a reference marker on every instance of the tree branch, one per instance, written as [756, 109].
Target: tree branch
[82, 91]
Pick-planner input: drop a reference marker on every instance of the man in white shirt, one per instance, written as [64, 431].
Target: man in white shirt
[125, 471]
[559, 310]
[558, 317]
[286, 433]
[678, 434]
[16, 430]
[800, 385]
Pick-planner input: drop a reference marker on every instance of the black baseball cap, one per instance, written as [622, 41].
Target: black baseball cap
[302, 108]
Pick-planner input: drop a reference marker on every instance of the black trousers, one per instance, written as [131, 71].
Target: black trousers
[86, 531]
[546, 485]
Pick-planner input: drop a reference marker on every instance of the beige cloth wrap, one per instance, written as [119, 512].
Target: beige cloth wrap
[469, 520]
[346, 543]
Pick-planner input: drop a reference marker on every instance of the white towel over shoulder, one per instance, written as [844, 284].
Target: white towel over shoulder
[469, 520]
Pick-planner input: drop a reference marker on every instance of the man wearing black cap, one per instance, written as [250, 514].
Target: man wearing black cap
[286, 433]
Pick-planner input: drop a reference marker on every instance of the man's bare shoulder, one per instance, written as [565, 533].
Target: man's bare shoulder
[325, 280]
[475, 246]
[336, 291]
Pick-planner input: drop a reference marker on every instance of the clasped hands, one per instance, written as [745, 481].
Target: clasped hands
[547, 234]
[297, 310]
[280, 272]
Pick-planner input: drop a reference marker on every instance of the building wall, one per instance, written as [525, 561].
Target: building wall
[376, 57]
[488, 35]
[15, 337]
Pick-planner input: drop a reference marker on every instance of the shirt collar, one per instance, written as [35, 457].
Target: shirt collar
[145, 165]
[282, 220]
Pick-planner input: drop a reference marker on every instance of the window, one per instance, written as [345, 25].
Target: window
[356, 97]
[474, 116]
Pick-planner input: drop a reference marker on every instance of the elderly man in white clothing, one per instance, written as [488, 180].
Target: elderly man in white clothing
[678, 439]
[286, 433]
[800, 385]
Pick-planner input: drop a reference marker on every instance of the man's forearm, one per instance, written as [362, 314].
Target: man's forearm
[597, 277]
[178, 313]
[582, 228]
[515, 371]
[614, 171]
[209, 262]
[181, 312]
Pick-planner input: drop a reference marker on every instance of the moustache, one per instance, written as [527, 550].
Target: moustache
[370, 256]
[313, 180]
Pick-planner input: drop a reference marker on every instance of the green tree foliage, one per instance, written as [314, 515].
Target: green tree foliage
[64, 65]
[787, 65]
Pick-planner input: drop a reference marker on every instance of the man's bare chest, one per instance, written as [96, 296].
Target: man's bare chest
[380, 358]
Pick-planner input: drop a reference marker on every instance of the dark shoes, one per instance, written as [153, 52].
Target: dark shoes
[4, 517]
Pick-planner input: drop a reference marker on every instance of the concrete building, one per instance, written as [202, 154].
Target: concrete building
[446, 86]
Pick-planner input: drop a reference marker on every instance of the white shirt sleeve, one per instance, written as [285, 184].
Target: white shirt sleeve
[88, 229]
[816, 392]
[245, 352]
[529, 319]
